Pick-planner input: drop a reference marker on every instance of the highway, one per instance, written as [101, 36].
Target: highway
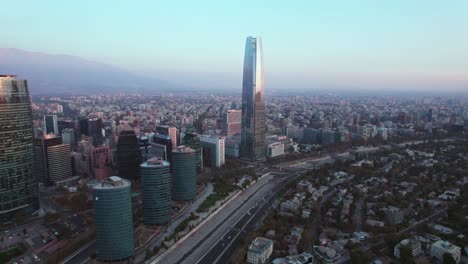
[222, 250]
[195, 247]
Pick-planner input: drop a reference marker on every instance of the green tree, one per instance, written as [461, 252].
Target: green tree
[79, 201]
[358, 257]
[49, 218]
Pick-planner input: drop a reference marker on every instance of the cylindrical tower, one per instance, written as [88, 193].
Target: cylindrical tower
[184, 173]
[156, 191]
[114, 221]
[18, 180]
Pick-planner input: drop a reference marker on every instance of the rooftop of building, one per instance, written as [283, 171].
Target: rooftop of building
[295, 259]
[326, 253]
[112, 182]
[445, 244]
[392, 208]
[260, 244]
[162, 136]
[183, 149]
[412, 241]
[155, 163]
[7, 75]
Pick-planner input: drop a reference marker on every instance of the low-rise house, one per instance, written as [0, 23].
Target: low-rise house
[374, 223]
[259, 250]
[442, 229]
[412, 243]
[394, 215]
[303, 258]
[441, 247]
[291, 205]
[306, 213]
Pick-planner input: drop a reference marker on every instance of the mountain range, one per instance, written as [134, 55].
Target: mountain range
[64, 74]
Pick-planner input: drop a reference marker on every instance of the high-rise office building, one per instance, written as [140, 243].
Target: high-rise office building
[18, 181]
[161, 147]
[102, 164]
[232, 122]
[213, 151]
[64, 124]
[144, 144]
[168, 131]
[42, 146]
[59, 163]
[184, 174]
[156, 191]
[128, 155]
[253, 103]
[82, 159]
[51, 125]
[192, 140]
[95, 130]
[112, 207]
[68, 137]
[83, 125]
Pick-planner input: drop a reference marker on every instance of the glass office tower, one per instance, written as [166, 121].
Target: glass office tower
[184, 176]
[156, 191]
[51, 125]
[253, 103]
[18, 182]
[112, 205]
[128, 155]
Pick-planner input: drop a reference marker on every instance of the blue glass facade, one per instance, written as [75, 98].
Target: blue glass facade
[156, 191]
[114, 219]
[184, 174]
[253, 103]
[18, 182]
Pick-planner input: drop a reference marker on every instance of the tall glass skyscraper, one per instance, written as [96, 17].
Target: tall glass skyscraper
[128, 155]
[18, 182]
[50, 124]
[253, 103]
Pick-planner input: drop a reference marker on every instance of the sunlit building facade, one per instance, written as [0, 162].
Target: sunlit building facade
[253, 103]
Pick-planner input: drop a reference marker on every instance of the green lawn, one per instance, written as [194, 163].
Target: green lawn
[220, 192]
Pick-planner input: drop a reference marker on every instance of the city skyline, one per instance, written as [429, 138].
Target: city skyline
[378, 46]
[142, 133]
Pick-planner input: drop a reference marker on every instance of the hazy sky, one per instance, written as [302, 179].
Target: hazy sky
[368, 44]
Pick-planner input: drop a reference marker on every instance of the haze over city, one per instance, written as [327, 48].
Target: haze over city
[375, 46]
[246, 132]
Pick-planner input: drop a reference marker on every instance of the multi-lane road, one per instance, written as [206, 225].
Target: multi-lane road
[194, 248]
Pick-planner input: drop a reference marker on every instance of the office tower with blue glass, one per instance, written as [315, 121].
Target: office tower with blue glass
[128, 155]
[112, 208]
[161, 147]
[18, 182]
[184, 174]
[253, 127]
[156, 191]
[51, 125]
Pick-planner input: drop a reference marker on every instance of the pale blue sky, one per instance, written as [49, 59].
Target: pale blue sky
[357, 44]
